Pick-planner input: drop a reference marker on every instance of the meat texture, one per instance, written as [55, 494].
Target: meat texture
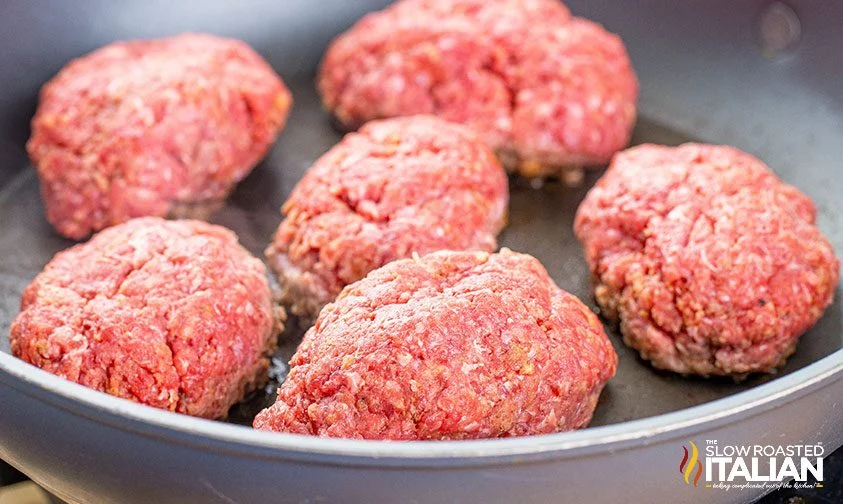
[712, 264]
[152, 128]
[172, 314]
[548, 91]
[397, 187]
[452, 345]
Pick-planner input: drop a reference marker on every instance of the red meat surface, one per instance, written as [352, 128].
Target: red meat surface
[172, 314]
[397, 187]
[546, 90]
[152, 128]
[711, 263]
[452, 345]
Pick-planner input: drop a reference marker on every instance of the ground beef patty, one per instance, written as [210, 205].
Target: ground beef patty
[397, 187]
[173, 314]
[154, 127]
[452, 345]
[712, 264]
[547, 91]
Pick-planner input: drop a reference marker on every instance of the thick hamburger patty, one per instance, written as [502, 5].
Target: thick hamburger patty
[397, 187]
[711, 263]
[152, 128]
[452, 345]
[173, 314]
[546, 90]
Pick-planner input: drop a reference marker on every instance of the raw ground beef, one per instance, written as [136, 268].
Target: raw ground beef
[397, 187]
[452, 345]
[172, 314]
[550, 92]
[711, 263]
[152, 128]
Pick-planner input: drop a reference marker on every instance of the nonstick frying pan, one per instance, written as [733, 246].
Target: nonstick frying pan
[764, 77]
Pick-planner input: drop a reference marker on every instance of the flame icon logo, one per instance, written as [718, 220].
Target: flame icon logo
[686, 467]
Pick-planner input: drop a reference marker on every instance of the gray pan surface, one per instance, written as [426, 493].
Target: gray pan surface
[705, 77]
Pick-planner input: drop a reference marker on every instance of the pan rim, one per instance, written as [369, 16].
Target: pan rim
[198, 433]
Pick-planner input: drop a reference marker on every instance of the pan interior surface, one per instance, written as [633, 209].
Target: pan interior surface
[676, 106]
